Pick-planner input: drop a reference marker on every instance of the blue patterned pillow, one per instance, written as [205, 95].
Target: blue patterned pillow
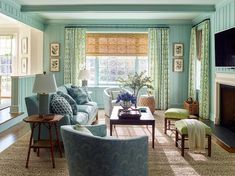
[78, 94]
[60, 105]
[71, 101]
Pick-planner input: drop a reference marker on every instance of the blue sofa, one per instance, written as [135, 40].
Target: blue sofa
[100, 155]
[87, 113]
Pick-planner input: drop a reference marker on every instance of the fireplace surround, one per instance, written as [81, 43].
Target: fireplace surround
[221, 80]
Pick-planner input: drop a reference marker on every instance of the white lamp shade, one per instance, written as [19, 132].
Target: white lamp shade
[44, 84]
[84, 75]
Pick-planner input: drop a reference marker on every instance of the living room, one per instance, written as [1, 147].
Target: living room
[45, 24]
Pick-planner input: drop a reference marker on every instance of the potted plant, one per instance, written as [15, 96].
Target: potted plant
[136, 82]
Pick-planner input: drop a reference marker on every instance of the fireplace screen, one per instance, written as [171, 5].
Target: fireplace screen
[227, 106]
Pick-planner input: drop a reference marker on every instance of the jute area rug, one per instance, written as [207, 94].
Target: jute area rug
[164, 159]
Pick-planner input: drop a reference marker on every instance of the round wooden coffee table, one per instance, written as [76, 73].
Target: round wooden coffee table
[149, 101]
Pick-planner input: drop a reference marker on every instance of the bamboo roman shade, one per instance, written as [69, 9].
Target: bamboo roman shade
[116, 44]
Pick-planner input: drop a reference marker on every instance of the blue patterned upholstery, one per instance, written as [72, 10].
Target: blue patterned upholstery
[59, 105]
[70, 100]
[97, 155]
[78, 94]
[85, 116]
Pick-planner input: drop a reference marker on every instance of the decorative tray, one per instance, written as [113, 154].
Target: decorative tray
[134, 114]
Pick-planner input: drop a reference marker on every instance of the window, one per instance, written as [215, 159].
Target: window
[6, 55]
[110, 56]
[6, 58]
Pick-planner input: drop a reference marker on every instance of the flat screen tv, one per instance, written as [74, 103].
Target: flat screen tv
[225, 48]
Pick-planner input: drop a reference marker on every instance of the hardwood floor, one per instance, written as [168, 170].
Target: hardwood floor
[12, 134]
[5, 115]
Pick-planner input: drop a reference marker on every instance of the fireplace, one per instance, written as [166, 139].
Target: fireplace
[227, 106]
[224, 99]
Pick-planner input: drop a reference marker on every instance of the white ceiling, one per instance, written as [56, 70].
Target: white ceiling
[6, 21]
[109, 15]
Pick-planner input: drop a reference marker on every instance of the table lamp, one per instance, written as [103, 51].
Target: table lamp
[43, 85]
[84, 76]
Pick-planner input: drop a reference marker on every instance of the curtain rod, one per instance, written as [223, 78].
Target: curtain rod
[201, 22]
[115, 26]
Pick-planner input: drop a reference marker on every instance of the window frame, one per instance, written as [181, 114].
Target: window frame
[97, 70]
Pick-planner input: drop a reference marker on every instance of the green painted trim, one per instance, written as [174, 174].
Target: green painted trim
[12, 9]
[119, 22]
[222, 3]
[117, 8]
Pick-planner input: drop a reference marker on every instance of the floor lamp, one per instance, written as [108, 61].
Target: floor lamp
[43, 85]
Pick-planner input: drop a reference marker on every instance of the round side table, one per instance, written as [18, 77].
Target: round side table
[147, 100]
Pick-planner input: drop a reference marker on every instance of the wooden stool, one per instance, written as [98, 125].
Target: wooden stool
[182, 131]
[149, 101]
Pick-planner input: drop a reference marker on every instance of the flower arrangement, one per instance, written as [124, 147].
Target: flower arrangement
[136, 82]
[126, 100]
[126, 96]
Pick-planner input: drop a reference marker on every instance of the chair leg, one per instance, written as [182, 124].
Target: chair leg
[176, 138]
[182, 144]
[209, 145]
[165, 125]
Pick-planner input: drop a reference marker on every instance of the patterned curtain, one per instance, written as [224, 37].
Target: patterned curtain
[75, 54]
[158, 64]
[204, 89]
[192, 65]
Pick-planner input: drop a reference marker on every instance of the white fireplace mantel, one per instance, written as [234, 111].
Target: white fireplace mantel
[221, 78]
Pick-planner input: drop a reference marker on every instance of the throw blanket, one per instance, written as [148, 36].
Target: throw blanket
[196, 135]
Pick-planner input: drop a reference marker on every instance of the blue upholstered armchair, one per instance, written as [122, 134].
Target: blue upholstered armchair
[98, 155]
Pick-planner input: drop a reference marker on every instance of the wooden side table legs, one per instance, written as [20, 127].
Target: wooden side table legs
[52, 147]
[57, 139]
[30, 144]
[39, 133]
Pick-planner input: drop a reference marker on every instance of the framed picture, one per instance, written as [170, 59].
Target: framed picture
[178, 65]
[55, 49]
[24, 65]
[178, 49]
[24, 45]
[55, 65]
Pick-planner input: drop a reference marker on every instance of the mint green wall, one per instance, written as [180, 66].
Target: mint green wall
[54, 33]
[222, 19]
[178, 81]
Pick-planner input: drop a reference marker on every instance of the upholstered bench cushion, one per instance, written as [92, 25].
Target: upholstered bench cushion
[182, 128]
[177, 113]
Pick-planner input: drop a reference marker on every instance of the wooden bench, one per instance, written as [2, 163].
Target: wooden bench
[182, 135]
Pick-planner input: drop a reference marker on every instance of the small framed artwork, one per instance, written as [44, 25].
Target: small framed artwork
[178, 49]
[178, 65]
[24, 45]
[55, 49]
[24, 65]
[55, 65]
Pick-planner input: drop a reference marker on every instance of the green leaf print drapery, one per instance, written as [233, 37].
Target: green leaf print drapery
[158, 64]
[204, 77]
[192, 65]
[204, 87]
[75, 54]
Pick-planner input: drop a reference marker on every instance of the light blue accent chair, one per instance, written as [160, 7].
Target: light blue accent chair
[110, 98]
[98, 155]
